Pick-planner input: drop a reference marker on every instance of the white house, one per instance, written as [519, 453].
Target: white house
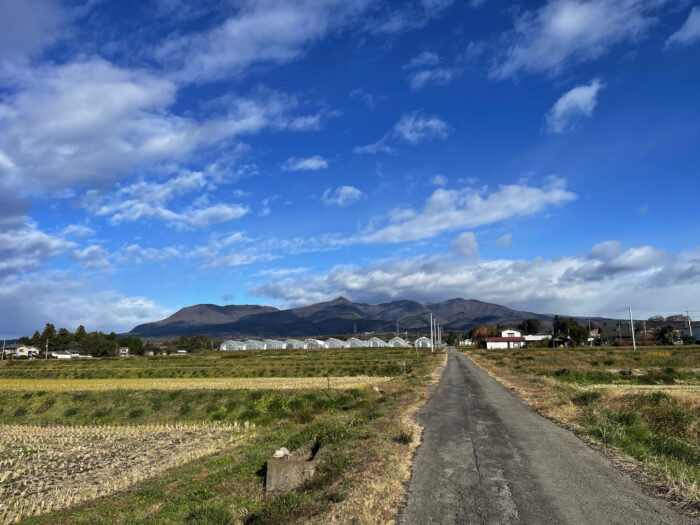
[423, 342]
[25, 352]
[398, 342]
[495, 343]
[511, 332]
[314, 343]
[332, 342]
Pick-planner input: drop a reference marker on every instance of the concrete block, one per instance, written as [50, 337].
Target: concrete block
[291, 471]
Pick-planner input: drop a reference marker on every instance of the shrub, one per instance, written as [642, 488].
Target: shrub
[586, 398]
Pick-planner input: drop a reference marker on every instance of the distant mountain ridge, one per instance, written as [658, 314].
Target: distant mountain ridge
[339, 316]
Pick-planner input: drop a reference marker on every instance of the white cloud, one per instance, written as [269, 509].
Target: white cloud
[413, 128]
[449, 210]
[424, 59]
[689, 33]
[260, 32]
[438, 76]
[342, 196]
[439, 180]
[140, 254]
[305, 164]
[27, 248]
[90, 122]
[564, 32]
[417, 127]
[92, 257]
[465, 244]
[504, 241]
[641, 276]
[370, 100]
[27, 303]
[77, 230]
[573, 105]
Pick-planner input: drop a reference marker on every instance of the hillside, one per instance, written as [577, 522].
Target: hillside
[339, 316]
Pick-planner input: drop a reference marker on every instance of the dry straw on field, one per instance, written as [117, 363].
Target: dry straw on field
[43, 469]
[215, 383]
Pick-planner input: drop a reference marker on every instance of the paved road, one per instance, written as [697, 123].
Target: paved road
[488, 458]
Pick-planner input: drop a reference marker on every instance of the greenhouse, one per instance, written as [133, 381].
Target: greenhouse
[273, 344]
[375, 342]
[423, 342]
[252, 344]
[232, 345]
[332, 342]
[293, 344]
[398, 342]
[314, 343]
[354, 342]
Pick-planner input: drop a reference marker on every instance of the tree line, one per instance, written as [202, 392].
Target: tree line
[99, 344]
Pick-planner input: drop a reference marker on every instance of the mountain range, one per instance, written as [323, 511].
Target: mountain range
[339, 316]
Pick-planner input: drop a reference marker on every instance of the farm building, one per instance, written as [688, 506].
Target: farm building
[293, 344]
[423, 342]
[536, 338]
[252, 344]
[511, 332]
[232, 345]
[332, 342]
[398, 342]
[354, 342]
[375, 342]
[314, 343]
[493, 343]
[273, 344]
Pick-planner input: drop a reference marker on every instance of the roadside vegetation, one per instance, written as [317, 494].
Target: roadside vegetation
[198, 455]
[644, 404]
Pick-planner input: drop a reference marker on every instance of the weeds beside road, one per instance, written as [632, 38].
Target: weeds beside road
[613, 397]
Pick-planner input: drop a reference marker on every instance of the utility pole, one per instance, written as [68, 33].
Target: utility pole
[690, 326]
[644, 323]
[432, 347]
[619, 330]
[3, 350]
[46, 353]
[634, 341]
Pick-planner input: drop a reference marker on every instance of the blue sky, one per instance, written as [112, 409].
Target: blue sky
[158, 154]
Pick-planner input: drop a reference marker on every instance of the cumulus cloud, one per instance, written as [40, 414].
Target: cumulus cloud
[89, 122]
[573, 105]
[465, 244]
[314, 163]
[92, 257]
[149, 200]
[342, 196]
[28, 303]
[689, 33]
[449, 210]
[27, 248]
[565, 32]
[642, 276]
[422, 71]
[411, 128]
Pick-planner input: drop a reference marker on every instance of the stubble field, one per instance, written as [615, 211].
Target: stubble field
[79, 447]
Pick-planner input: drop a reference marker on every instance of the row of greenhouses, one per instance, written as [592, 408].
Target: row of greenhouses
[331, 342]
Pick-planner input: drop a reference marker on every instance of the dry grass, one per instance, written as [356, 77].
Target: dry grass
[385, 470]
[270, 383]
[43, 469]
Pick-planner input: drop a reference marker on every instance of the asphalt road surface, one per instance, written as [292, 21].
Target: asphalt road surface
[486, 457]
